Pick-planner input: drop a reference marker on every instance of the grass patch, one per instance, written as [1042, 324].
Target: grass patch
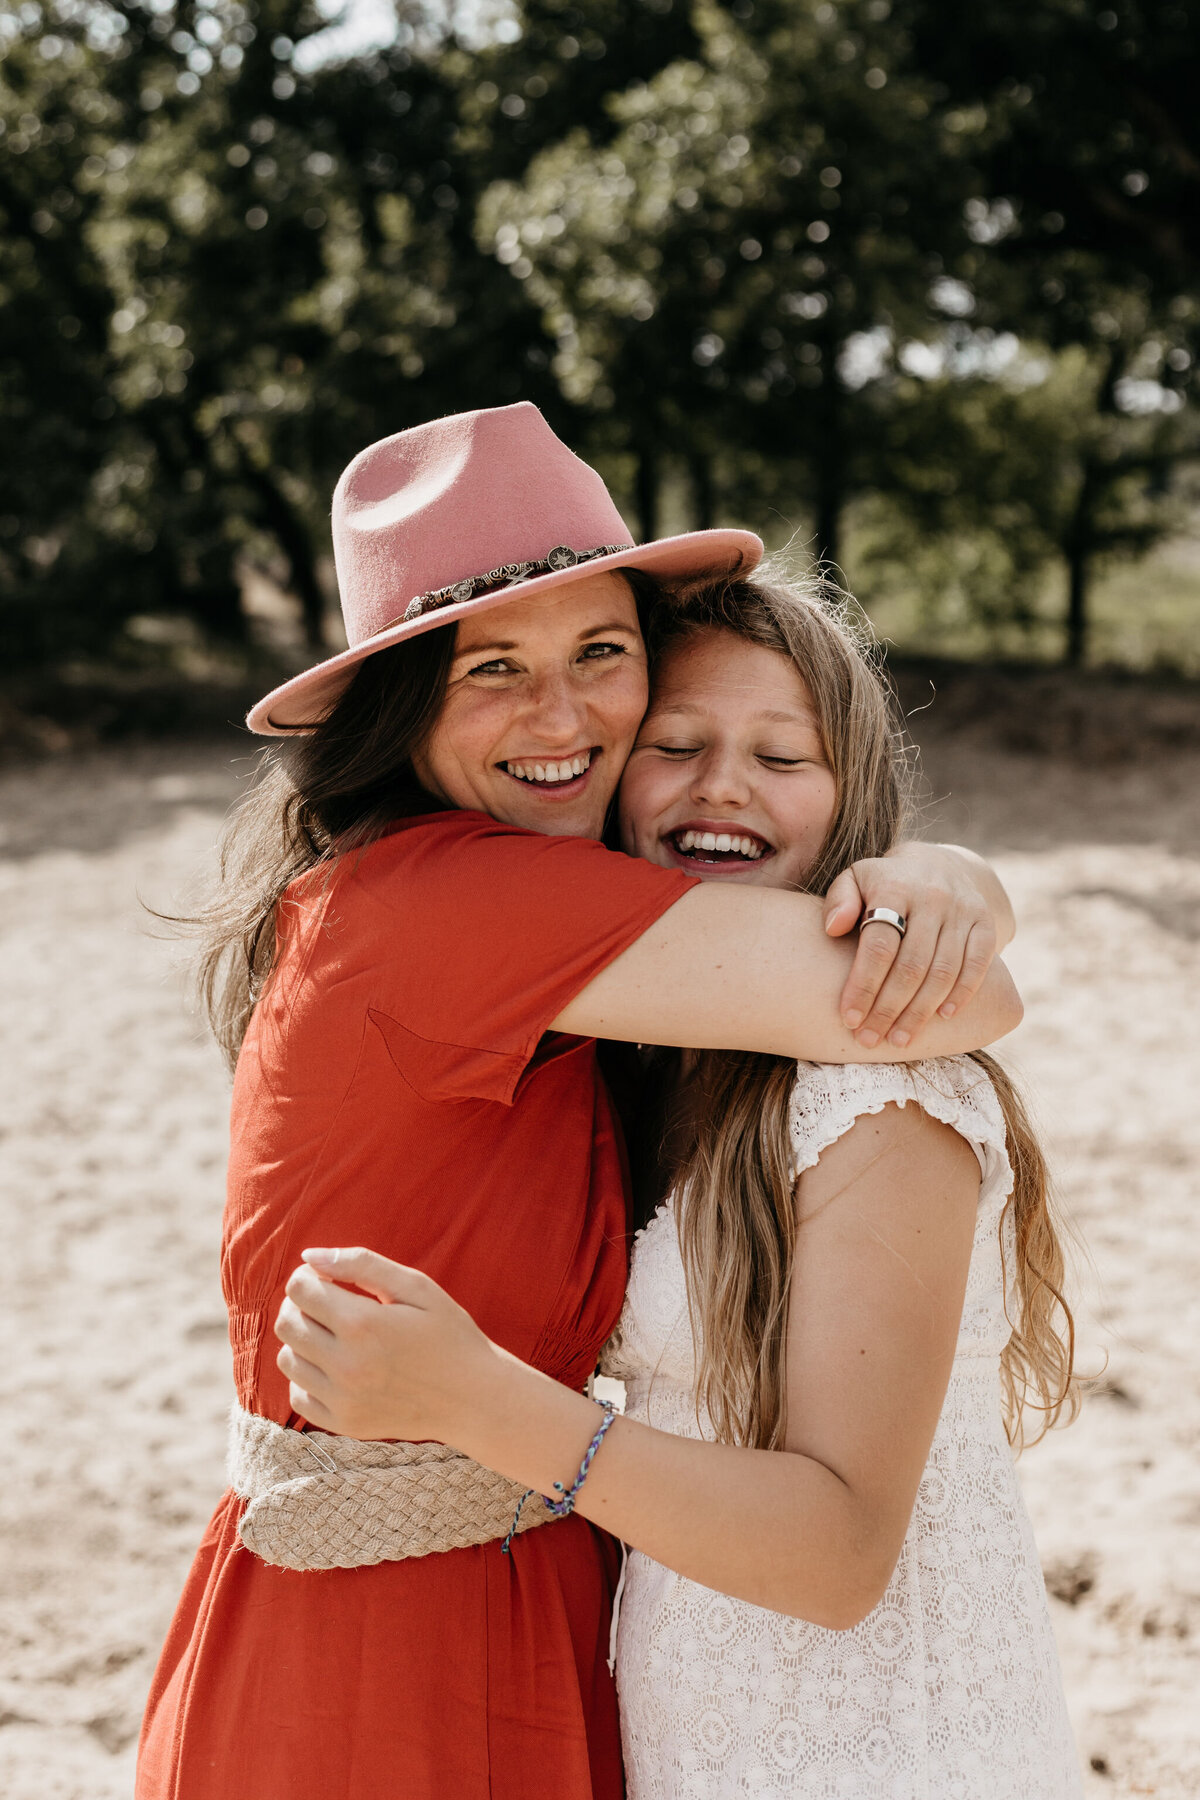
[1145, 616]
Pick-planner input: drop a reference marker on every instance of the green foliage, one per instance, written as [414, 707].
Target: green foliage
[788, 262]
[1085, 227]
[704, 264]
[1093, 140]
[221, 277]
[994, 478]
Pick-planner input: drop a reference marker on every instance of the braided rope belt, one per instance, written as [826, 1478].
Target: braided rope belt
[317, 1501]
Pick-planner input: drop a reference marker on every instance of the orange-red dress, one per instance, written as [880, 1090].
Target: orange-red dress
[398, 1089]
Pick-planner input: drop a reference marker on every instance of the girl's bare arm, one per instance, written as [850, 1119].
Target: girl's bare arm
[813, 1530]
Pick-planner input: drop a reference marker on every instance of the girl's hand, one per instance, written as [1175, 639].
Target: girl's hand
[958, 916]
[401, 1365]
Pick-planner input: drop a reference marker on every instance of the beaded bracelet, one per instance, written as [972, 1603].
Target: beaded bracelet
[560, 1508]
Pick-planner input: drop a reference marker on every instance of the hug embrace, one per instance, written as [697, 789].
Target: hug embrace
[590, 1010]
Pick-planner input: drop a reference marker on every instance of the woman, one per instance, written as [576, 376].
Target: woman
[801, 1289]
[409, 911]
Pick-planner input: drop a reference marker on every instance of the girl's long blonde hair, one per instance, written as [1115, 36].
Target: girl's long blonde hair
[738, 1228]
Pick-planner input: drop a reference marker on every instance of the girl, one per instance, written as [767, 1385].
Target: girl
[832, 1275]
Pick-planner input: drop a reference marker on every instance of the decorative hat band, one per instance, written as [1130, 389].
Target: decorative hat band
[561, 557]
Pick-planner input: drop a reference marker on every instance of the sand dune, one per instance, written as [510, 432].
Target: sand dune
[112, 1140]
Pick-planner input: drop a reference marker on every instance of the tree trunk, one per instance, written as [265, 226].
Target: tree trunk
[646, 488]
[703, 496]
[1078, 570]
[291, 534]
[1080, 539]
[1079, 546]
[829, 523]
[831, 463]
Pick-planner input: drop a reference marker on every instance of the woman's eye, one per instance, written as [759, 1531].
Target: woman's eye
[497, 666]
[597, 652]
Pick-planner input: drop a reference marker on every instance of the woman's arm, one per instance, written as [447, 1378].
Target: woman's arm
[754, 969]
[814, 1530]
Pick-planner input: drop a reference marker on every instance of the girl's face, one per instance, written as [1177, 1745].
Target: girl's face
[543, 701]
[728, 778]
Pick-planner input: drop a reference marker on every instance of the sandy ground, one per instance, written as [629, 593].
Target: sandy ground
[112, 1138]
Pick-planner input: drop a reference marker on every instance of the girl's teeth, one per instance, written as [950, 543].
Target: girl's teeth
[720, 840]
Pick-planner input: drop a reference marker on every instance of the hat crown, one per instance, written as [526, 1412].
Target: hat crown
[456, 498]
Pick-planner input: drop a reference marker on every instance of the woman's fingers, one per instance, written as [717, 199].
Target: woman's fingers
[943, 966]
[952, 974]
[897, 984]
[912, 956]
[878, 948]
[843, 904]
[978, 957]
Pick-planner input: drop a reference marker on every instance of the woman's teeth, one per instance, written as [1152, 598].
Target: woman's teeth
[719, 840]
[550, 771]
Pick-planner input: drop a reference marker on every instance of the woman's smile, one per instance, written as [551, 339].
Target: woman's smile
[552, 774]
[554, 779]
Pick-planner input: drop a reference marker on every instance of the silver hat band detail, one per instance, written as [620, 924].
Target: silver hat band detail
[561, 557]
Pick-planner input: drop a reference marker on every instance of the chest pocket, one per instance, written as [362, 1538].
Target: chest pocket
[439, 1071]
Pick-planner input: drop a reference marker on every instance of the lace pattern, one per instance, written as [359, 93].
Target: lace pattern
[950, 1689]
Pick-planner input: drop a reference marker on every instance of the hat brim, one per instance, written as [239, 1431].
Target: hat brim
[299, 705]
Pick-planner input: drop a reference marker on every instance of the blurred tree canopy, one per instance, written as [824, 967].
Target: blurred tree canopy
[780, 261]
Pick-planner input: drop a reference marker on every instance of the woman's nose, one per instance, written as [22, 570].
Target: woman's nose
[720, 779]
[557, 714]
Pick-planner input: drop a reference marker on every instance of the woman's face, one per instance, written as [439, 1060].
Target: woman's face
[728, 778]
[543, 701]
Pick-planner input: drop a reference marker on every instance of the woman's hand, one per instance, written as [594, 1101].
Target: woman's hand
[400, 1365]
[958, 917]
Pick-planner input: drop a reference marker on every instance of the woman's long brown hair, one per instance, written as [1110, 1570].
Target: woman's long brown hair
[738, 1228]
[337, 789]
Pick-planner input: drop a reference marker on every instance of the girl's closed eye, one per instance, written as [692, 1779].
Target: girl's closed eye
[667, 748]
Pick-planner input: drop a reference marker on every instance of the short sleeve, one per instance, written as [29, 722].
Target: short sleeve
[480, 933]
[827, 1098]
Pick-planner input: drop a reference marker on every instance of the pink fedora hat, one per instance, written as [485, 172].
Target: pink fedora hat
[452, 518]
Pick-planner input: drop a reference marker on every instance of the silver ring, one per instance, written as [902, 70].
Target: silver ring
[884, 915]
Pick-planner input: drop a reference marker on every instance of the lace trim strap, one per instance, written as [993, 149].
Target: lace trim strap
[827, 1098]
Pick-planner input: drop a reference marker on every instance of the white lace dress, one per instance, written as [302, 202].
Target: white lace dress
[950, 1689]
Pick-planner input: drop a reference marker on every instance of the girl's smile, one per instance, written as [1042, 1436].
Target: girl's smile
[728, 777]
